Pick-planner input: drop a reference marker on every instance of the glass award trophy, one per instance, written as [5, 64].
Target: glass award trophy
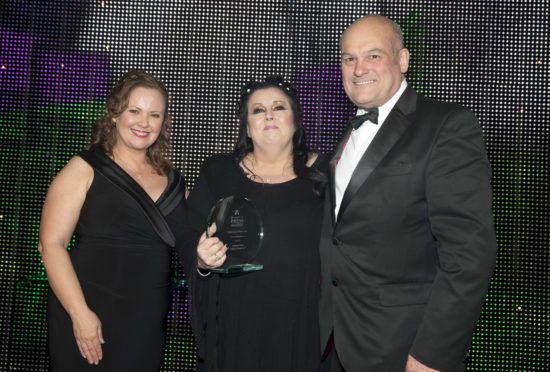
[239, 226]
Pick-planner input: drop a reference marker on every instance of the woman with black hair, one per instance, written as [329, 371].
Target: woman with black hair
[265, 320]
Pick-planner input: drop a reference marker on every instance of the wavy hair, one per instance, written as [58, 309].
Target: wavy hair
[300, 151]
[104, 134]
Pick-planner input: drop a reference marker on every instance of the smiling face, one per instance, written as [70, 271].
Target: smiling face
[373, 62]
[270, 119]
[139, 125]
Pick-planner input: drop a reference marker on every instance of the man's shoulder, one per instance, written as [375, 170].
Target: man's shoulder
[438, 105]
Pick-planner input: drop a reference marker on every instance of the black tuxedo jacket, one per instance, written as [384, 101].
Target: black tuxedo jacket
[407, 262]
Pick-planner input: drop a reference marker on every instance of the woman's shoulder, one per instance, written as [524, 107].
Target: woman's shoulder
[218, 161]
[312, 158]
[93, 156]
[217, 167]
[75, 174]
[318, 161]
[176, 175]
[78, 164]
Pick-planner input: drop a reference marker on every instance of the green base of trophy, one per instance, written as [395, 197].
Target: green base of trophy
[236, 269]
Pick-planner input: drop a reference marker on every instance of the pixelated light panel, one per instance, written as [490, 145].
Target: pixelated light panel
[59, 59]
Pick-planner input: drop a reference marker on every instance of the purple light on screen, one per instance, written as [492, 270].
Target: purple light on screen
[58, 77]
[72, 76]
[326, 109]
[15, 62]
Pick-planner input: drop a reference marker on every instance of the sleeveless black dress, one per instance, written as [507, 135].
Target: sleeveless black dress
[122, 260]
[266, 320]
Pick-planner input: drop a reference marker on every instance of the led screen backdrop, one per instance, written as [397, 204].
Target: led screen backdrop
[58, 59]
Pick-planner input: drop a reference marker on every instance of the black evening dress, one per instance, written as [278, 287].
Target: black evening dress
[122, 259]
[265, 320]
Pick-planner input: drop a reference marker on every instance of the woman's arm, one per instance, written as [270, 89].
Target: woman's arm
[60, 214]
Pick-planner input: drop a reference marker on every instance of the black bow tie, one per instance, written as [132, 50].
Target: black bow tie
[372, 115]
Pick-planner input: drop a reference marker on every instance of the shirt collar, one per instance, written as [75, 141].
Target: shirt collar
[384, 110]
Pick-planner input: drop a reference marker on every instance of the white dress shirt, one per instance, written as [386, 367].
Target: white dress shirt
[357, 144]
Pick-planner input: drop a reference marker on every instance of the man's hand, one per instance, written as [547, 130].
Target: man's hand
[414, 365]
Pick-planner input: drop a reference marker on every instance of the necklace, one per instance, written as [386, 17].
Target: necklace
[127, 167]
[253, 174]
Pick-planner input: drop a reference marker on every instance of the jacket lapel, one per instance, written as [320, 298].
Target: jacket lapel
[394, 126]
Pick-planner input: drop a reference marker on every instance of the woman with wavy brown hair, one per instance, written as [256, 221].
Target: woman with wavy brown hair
[125, 203]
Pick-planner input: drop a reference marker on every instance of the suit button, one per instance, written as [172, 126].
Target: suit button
[336, 241]
[334, 282]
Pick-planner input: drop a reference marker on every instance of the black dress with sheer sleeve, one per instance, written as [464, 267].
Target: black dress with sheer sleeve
[122, 259]
[265, 320]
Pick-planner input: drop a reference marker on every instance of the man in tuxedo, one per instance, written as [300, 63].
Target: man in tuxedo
[408, 244]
